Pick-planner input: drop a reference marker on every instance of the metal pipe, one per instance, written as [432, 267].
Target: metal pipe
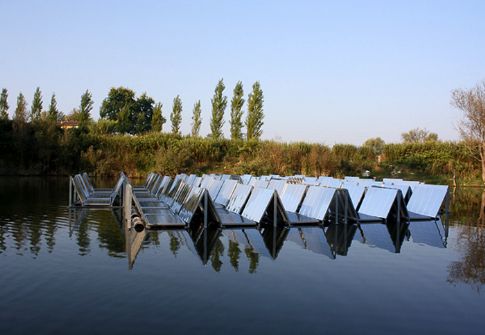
[138, 224]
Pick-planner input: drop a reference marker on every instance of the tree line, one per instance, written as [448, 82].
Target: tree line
[124, 113]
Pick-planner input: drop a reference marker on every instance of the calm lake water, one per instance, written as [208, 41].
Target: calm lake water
[76, 271]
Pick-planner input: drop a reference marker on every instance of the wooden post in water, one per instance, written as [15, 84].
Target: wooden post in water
[127, 205]
[70, 191]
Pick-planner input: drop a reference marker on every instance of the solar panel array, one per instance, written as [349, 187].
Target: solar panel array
[298, 199]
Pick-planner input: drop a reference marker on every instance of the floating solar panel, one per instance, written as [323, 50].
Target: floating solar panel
[426, 200]
[197, 182]
[190, 179]
[323, 179]
[278, 185]
[259, 183]
[293, 196]
[331, 182]
[214, 188]
[343, 208]
[239, 198]
[356, 192]
[265, 204]
[245, 178]
[391, 180]
[166, 188]
[378, 202]
[317, 202]
[163, 185]
[172, 190]
[366, 182]
[258, 202]
[206, 181]
[352, 179]
[180, 197]
[310, 180]
[226, 191]
[199, 203]
[405, 190]
[231, 219]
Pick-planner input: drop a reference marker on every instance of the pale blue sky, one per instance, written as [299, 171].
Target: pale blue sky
[331, 72]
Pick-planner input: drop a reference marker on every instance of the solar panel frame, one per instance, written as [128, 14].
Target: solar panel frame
[292, 196]
[239, 198]
[226, 192]
[427, 200]
[317, 201]
[378, 202]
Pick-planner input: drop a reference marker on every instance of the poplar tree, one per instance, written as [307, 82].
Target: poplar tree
[219, 103]
[21, 109]
[157, 119]
[254, 120]
[236, 111]
[53, 112]
[176, 116]
[85, 108]
[36, 108]
[4, 105]
[196, 119]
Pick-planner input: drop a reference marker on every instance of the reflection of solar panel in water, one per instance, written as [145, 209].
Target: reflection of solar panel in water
[239, 198]
[339, 237]
[256, 242]
[376, 234]
[426, 200]
[293, 196]
[378, 202]
[428, 232]
[317, 202]
[226, 191]
[316, 241]
[214, 188]
[278, 185]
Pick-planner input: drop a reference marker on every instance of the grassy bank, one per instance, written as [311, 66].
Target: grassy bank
[44, 149]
